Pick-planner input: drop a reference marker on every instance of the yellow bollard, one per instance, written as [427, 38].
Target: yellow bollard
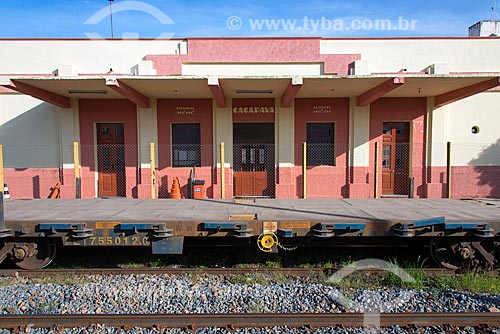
[376, 171]
[152, 169]
[448, 169]
[1, 169]
[76, 166]
[222, 172]
[304, 170]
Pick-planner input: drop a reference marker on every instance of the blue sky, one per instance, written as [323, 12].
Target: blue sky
[189, 18]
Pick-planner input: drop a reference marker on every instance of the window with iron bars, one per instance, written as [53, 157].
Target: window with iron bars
[320, 144]
[186, 145]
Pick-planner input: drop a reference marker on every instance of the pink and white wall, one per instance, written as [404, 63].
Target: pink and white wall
[37, 137]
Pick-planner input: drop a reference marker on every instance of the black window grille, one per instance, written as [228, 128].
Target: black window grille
[186, 145]
[320, 144]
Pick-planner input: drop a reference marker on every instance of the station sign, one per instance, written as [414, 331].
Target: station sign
[322, 109]
[185, 111]
[253, 110]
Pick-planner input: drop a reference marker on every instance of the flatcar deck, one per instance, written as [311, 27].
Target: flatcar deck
[458, 232]
[331, 210]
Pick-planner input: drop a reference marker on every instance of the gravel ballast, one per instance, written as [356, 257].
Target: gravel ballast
[138, 294]
[101, 329]
[147, 294]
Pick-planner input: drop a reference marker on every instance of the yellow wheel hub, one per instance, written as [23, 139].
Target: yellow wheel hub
[20, 253]
[266, 241]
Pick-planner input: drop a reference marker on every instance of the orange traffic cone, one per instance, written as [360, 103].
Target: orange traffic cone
[175, 192]
[56, 191]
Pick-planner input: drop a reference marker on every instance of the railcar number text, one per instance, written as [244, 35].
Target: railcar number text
[110, 241]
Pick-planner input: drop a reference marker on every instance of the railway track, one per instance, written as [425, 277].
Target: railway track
[299, 272]
[250, 320]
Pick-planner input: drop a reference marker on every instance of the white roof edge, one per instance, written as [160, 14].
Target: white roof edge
[280, 77]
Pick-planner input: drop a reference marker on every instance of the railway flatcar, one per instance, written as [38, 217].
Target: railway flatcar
[465, 234]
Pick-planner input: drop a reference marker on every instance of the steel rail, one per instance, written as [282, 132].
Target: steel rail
[300, 272]
[250, 320]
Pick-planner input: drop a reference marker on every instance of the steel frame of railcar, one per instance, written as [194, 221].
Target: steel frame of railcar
[167, 237]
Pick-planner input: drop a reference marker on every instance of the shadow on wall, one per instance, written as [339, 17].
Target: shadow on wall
[31, 138]
[31, 151]
[487, 166]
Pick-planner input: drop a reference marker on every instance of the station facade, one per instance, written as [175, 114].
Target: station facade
[252, 117]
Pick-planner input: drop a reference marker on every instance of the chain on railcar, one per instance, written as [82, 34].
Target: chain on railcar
[453, 245]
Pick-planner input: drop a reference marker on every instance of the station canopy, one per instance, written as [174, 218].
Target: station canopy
[446, 88]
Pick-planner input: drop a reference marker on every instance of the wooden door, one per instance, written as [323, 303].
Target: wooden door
[253, 157]
[395, 158]
[111, 159]
[251, 176]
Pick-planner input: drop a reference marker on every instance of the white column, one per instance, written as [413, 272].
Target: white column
[359, 134]
[69, 132]
[436, 134]
[285, 135]
[223, 132]
[147, 132]
[359, 151]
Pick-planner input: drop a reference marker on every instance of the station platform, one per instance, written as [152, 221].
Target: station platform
[331, 210]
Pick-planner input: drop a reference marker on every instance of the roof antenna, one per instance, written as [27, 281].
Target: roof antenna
[111, 17]
[494, 15]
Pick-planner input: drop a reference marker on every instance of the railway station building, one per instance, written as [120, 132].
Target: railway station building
[251, 117]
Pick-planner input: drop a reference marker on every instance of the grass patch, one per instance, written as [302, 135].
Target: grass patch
[278, 278]
[131, 265]
[378, 280]
[419, 281]
[358, 280]
[155, 263]
[247, 266]
[249, 279]
[272, 264]
[7, 282]
[414, 268]
[471, 282]
[393, 279]
[255, 308]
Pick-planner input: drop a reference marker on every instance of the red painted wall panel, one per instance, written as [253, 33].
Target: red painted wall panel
[108, 111]
[411, 110]
[252, 50]
[323, 181]
[184, 111]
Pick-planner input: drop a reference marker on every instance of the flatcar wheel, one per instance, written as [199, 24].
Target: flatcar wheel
[35, 254]
[451, 254]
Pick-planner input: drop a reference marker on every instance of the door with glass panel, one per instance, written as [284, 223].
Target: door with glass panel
[253, 156]
[110, 159]
[395, 158]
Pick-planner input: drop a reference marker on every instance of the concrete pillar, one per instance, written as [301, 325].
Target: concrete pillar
[69, 132]
[223, 132]
[285, 151]
[147, 133]
[436, 150]
[359, 150]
